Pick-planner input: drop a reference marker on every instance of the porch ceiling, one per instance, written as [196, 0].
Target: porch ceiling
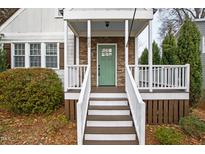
[115, 28]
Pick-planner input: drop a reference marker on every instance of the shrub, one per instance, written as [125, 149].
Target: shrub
[34, 90]
[192, 126]
[169, 47]
[156, 59]
[168, 136]
[3, 60]
[189, 53]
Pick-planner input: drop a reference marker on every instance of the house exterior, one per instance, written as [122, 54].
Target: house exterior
[95, 53]
[201, 26]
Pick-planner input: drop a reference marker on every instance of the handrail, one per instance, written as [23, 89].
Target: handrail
[137, 105]
[82, 106]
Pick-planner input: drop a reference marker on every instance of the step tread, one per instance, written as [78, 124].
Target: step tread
[110, 130]
[93, 107]
[93, 142]
[109, 118]
[108, 99]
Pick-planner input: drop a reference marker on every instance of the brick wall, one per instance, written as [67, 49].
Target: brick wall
[120, 55]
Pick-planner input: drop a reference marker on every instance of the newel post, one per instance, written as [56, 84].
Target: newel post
[65, 55]
[187, 77]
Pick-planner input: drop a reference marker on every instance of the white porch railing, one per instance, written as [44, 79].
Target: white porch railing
[137, 105]
[76, 74]
[82, 105]
[163, 76]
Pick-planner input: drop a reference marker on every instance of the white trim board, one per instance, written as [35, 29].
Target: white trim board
[16, 14]
[145, 96]
[165, 96]
[115, 44]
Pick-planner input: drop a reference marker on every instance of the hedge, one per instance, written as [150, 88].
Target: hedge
[34, 90]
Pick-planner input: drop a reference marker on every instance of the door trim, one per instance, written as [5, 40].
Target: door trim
[115, 44]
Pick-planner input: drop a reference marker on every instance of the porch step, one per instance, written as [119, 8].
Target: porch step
[109, 102]
[95, 142]
[109, 130]
[108, 95]
[112, 137]
[109, 120]
[92, 107]
[108, 112]
[110, 123]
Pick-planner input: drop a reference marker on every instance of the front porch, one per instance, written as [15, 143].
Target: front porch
[106, 68]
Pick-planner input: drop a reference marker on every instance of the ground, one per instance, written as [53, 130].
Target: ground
[198, 111]
[36, 129]
[56, 129]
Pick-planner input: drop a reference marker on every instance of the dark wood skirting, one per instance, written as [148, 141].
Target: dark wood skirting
[70, 109]
[157, 111]
[166, 111]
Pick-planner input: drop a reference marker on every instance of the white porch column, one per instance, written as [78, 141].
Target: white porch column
[77, 50]
[89, 41]
[150, 54]
[136, 61]
[126, 41]
[65, 55]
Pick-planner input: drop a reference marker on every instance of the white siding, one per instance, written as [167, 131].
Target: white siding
[35, 20]
[201, 27]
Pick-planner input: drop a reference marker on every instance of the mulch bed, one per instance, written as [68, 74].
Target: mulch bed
[36, 129]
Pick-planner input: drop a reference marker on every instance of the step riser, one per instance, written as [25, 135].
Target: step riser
[108, 112]
[108, 95]
[108, 137]
[109, 123]
[109, 103]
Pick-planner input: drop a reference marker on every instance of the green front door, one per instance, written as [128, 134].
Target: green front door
[106, 65]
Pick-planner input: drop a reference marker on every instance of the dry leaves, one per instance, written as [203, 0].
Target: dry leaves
[33, 129]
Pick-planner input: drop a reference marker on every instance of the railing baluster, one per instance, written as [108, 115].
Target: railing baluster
[158, 77]
[142, 76]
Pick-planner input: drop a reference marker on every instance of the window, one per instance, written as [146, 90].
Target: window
[19, 55]
[51, 55]
[59, 12]
[35, 55]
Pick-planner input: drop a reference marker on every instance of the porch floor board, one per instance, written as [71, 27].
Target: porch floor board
[122, 90]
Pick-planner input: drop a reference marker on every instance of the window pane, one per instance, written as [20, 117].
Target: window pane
[19, 49]
[19, 61]
[35, 49]
[51, 61]
[51, 49]
[35, 61]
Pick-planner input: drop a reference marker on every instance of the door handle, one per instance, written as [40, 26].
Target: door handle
[98, 70]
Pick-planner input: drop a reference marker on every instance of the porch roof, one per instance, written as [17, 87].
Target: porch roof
[77, 21]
